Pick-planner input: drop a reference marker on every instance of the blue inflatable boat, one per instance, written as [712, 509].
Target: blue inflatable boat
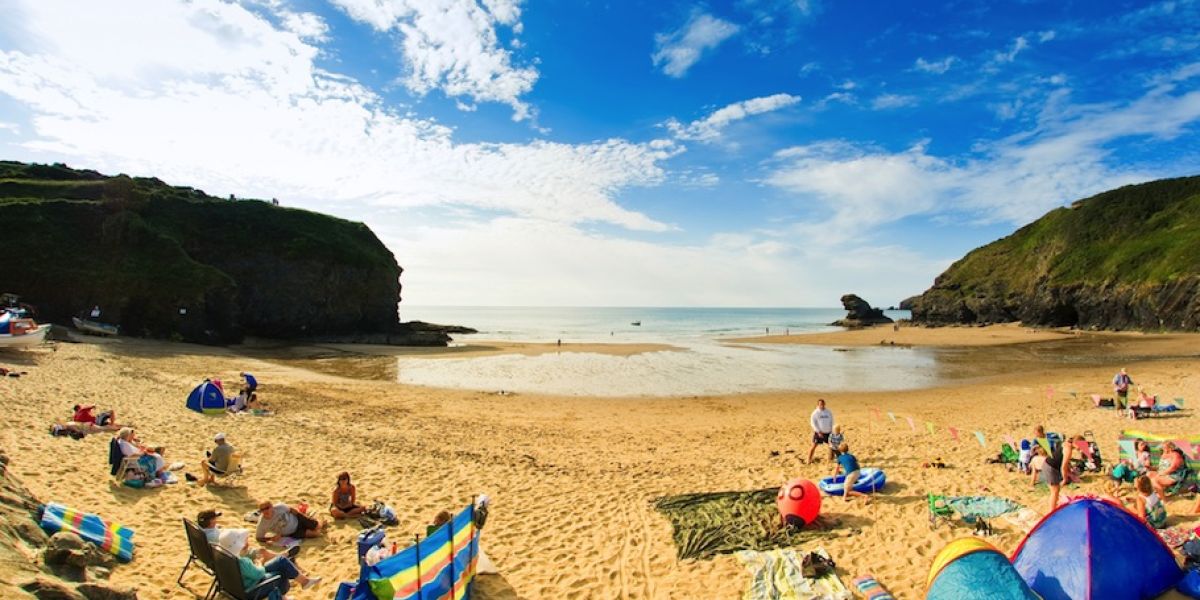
[869, 480]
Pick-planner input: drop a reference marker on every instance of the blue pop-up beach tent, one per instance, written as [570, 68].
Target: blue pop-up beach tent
[1092, 548]
[972, 569]
[207, 398]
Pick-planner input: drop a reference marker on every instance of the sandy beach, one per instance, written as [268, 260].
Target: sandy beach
[572, 479]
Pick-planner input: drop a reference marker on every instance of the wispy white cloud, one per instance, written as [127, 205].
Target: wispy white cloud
[890, 101]
[1014, 179]
[1047, 35]
[452, 46]
[233, 104]
[935, 66]
[676, 51]
[307, 25]
[1010, 55]
[709, 128]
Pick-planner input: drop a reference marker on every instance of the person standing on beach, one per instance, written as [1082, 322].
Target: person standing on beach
[821, 422]
[1121, 385]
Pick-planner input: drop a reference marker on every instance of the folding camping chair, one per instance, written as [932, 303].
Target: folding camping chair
[229, 577]
[939, 511]
[201, 553]
[122, 465]
[1185, 483]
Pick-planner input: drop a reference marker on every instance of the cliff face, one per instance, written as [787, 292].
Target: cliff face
[165, 261]
[1125, 259]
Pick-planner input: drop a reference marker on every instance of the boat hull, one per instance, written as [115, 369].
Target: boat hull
[94, 327]
[25, 340]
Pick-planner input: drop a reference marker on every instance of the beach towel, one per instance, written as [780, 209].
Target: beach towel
[114, 539]
[988, 507]
[870, 589]
[777, 575]
[1022, 520]
[1175, 536]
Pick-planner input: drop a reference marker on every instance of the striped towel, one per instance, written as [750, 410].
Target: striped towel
[870, 589]
[110, 537]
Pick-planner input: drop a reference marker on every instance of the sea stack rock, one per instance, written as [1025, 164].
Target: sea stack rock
[859, 313]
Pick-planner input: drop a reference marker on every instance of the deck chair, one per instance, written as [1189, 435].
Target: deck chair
[201, 553]
[1185, 482]
[229, 578]
[121, 465]
[939, 511]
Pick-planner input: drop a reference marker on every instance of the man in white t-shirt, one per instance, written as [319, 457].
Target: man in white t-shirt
[821, 422]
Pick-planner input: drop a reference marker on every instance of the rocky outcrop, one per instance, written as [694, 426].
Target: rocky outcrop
[860, 313]
[409, 333]
[69, 569]
[1126, 259]
[172, 262]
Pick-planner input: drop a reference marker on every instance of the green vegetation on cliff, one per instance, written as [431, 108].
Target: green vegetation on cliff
[1128, 258]
[171, 261]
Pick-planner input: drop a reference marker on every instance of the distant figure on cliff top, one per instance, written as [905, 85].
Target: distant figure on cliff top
[1121, 385]
[821, 422]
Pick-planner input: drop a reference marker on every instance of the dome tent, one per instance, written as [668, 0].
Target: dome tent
[972, 569]
[207, 398]
[1093, 548]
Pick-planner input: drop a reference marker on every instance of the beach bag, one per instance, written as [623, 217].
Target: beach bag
[814, 565]
[383, 513]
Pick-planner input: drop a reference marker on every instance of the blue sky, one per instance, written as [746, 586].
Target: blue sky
[746, 153]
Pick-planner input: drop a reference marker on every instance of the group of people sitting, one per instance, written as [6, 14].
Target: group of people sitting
[137, 464]
[247, 398]
[256, 564]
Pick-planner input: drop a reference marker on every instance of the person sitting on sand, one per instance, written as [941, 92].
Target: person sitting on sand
[345, 499]
[232, 539]
[132, 447]
[219, 461]
[835, 441]
[251, 381]
[1148, 505]
[849, 465]
[283, 566]
[106, 420]
[821, 422]
[1132, 468]
[1170, 469]
[439, 519]
[281, 520]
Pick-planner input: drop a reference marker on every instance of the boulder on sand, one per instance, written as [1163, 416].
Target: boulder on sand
[859, 313]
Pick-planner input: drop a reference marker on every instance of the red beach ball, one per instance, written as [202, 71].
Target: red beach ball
[799, 502]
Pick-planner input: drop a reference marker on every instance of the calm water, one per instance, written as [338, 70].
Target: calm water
[702, 366]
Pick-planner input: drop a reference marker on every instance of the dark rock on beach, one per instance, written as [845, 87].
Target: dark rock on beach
[860, 313]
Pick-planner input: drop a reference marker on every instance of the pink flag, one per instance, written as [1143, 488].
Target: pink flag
[911, 425]
[875, 411]
[1050, 393]
[1187, 447]
[953, 433]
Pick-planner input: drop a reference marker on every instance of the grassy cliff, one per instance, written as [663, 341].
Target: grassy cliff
[1128, 258]
[167, 261]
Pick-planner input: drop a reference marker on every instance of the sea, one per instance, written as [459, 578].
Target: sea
[701, 362]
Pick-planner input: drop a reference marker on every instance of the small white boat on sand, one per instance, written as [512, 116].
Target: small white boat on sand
[94, 327]
[19, 332]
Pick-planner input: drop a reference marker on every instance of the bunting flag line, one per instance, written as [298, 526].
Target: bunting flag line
[929, 426]
[1045, 444]
[911, 425]
[892, 416]
[1127, 448]
[953, 433]
[982, 441]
